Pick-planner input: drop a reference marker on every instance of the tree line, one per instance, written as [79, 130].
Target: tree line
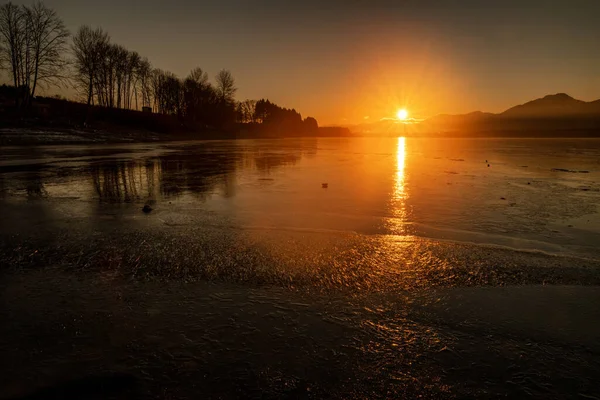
[268, 113]
[36, 51]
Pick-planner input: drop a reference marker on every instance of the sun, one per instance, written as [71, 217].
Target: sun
[402, 114]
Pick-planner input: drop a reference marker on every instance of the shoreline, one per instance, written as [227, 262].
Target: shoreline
[12, 137]
[45, 136]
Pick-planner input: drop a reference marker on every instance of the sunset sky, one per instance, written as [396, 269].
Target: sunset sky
[344, 61]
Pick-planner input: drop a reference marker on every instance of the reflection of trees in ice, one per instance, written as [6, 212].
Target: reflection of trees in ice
[198, 171]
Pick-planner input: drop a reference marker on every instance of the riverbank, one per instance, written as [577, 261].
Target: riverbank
[32, 136]
[69, 136]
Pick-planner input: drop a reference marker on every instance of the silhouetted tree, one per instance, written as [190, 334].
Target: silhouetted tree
[13, 43]
[310, 124]
[144, 75]
[33, 42]
[245, 111]
[200, 98]
[262, 110]
[89, 49]
[168, 96]
[114, 74]
[283, 119]
[270, 113]
[46, 45]
[106, 84]
[121, 56]
[199, 76]
[131, 69]
[225, 90]
[225, 86]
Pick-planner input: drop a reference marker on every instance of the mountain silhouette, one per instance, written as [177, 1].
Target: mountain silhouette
[554, 105]
[551, 115]
[550, 106]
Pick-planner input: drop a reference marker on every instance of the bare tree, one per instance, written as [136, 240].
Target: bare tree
[108, 77]
[33, 44]
[12, 43]
[245, 111]
[114, 74]
[250, 106]
[144, 75]
[121, 55]
[225, 86]
[168, 92]
[199, 76]
[89, 49]
[33, 41]
[198, 97]
[155, 83]
[47, 44]
[133, 61]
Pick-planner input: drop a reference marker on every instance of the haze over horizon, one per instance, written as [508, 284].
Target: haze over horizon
[344, 61]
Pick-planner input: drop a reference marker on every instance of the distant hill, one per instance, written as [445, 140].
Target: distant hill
[554, 105]
[552, 115]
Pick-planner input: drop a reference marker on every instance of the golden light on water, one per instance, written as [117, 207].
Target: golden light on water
[400, 193]
[400, 164]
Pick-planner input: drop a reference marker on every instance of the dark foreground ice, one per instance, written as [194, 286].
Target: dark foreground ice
[219, 340]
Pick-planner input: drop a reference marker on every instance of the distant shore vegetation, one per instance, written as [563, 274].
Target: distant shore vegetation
[38, 51]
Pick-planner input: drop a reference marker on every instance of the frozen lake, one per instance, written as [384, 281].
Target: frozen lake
[430, 268]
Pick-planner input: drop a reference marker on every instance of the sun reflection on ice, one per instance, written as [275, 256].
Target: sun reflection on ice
[400, 160]
[400, 194]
